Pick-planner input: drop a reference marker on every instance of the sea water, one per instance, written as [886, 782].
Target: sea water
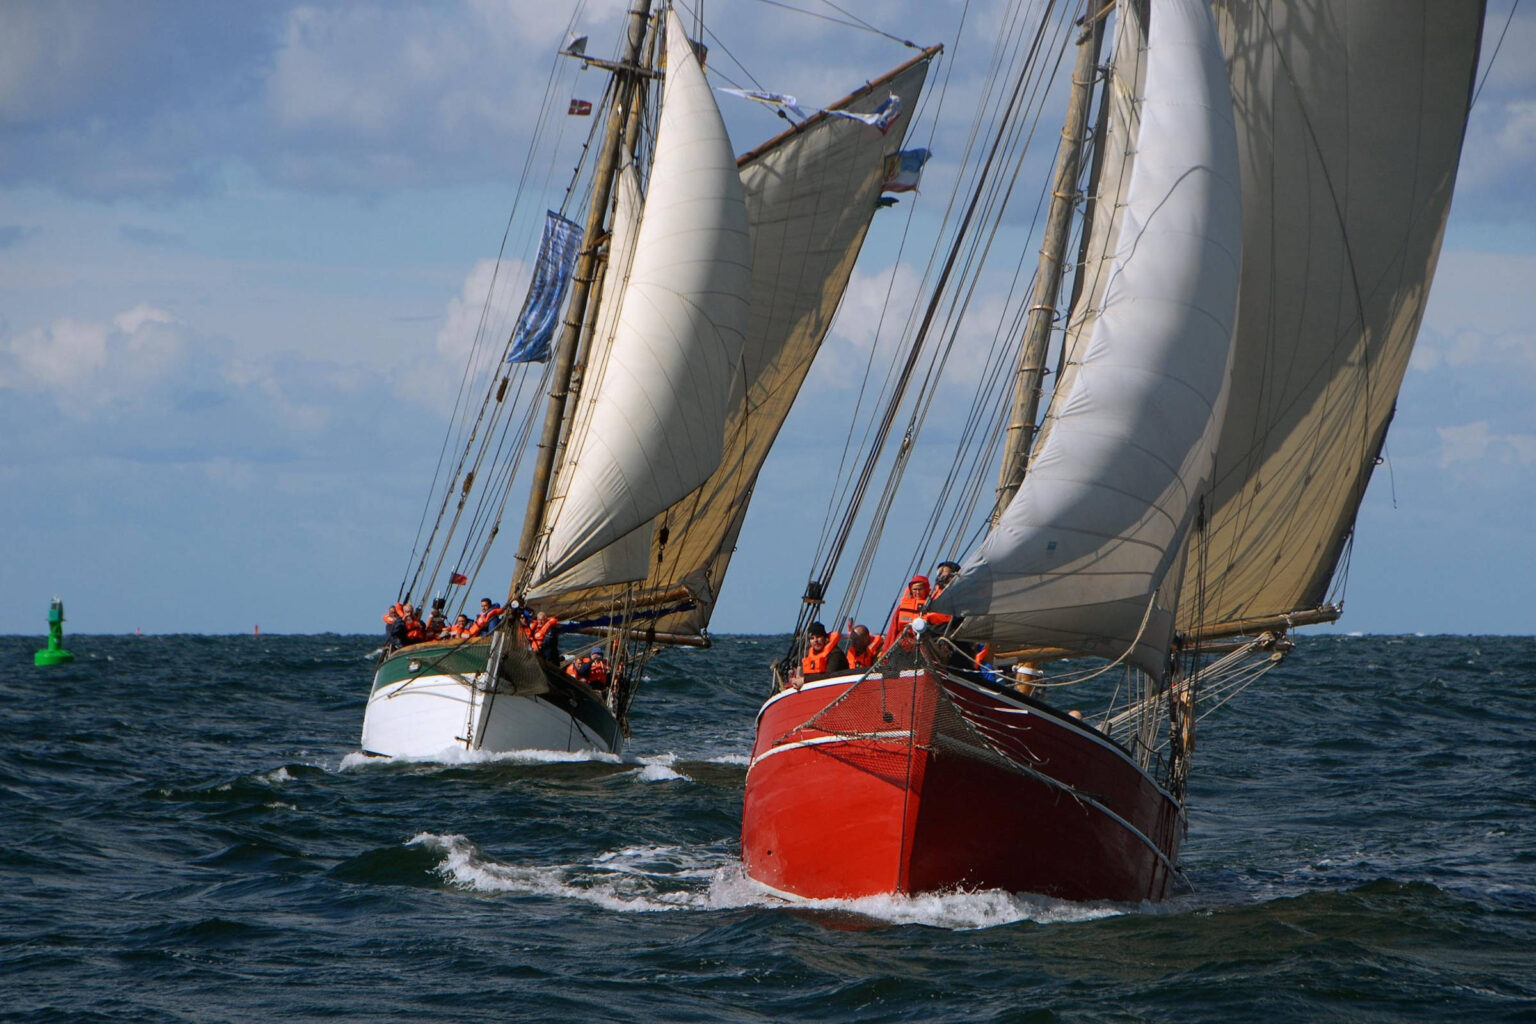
[190, 834]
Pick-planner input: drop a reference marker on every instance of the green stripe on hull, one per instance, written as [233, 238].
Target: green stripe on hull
[468, 658]
[459, 657]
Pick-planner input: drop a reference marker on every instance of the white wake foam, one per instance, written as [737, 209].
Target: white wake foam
[653, 879]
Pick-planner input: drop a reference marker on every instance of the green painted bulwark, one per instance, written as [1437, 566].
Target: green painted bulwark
[456, 657]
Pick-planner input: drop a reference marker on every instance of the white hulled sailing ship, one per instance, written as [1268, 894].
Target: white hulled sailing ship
[700, 288]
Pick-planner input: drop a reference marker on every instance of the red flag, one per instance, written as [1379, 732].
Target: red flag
[457, 579]
[581, 108]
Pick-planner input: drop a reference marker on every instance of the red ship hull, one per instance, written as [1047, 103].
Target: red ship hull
[922, 781]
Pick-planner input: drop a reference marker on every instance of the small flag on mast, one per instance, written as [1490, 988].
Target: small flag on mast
[457, 579]
[580, 108]
[882, 117]
[783, 101]
[904, 169]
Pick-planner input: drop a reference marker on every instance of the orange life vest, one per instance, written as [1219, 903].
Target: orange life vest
[395, 614]
[484, 617]
[815, 660]
[868, 656]
[540, 630]
[906, 611]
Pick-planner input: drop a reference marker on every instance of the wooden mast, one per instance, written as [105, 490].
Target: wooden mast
[1042, 307]
[625, 79]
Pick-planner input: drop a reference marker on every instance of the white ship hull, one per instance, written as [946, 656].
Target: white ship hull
[433, 700]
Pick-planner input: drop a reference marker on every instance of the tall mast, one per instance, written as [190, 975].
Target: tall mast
[1053, 247]
[626, 76]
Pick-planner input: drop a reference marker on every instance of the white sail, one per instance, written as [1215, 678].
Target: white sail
[627, 558]
[1350, 119]
[811, 193]
[1077, 556]
[657, 429]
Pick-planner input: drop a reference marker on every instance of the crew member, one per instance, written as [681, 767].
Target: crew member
[822, 654]
[943, 575]
[461, 627]
[1026, 677]
[489, 617]
[414, 630]
[437, 625]
[598, 675]
[910, 607]
[395, 622]
[863, 649]
[544, 637]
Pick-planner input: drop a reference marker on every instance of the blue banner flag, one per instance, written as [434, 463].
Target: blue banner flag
[546, 293]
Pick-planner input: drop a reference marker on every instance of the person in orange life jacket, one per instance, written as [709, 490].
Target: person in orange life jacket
[943, 575]
[822, 655]
[580, 668]
[543, 635]
[863, 649]
[908, 609]
[415, 630]
[598, 676]
[461, 627]
[489, 617]
[396, 623]
[436, 624]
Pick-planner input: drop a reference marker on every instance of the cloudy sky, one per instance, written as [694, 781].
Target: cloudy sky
[243, 250]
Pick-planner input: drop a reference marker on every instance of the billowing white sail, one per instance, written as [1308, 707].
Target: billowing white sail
[811, 193]
[628, 557]
[659, 411]
[1076, 558]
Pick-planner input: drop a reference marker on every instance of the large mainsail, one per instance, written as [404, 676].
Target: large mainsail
[1076, 558]
[658, 417]
[810, 194]
[1350, 116]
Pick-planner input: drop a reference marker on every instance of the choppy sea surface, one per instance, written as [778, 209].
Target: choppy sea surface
[191, 835]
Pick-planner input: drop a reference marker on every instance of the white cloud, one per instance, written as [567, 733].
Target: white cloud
[475, 325]
[86, 366]
[1471, 443]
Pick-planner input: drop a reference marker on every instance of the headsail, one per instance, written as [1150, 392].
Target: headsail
[1077, 557]
[810, 195]
[657, 429]
[1350, 117]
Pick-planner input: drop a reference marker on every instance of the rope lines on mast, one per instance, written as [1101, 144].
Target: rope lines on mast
[508, 390]
[990, 180]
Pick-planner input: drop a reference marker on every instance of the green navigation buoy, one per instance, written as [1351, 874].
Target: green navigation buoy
[54, 653]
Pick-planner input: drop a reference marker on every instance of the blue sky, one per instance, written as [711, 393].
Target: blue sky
[243, 249]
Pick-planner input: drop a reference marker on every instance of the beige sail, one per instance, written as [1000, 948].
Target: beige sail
[810, 195]
[1350, 118]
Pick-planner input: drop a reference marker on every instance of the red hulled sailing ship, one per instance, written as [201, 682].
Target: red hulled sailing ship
[1224, 370]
